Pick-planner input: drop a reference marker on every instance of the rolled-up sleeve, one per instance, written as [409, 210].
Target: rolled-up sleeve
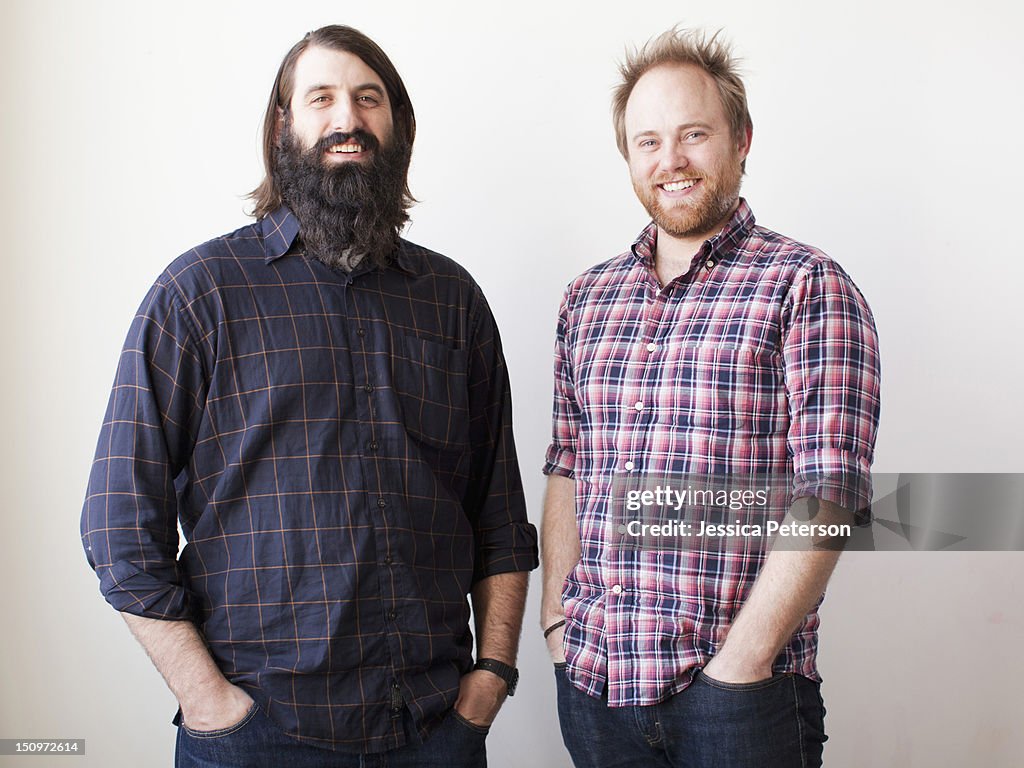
[565, 423]
[129, 520]
[505, 540]
[832, 374]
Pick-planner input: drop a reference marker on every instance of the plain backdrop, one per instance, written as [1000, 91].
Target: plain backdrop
[884, 133]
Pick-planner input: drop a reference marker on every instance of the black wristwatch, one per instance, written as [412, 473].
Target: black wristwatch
[509, 674]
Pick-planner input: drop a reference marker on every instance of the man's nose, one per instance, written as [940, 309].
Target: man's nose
[673, 157]
[345, 116]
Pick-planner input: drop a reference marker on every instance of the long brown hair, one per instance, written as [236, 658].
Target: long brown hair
[267, 196]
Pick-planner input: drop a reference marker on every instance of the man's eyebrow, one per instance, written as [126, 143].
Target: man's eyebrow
[327, 87]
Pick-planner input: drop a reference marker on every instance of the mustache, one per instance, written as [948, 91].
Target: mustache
[367, 140]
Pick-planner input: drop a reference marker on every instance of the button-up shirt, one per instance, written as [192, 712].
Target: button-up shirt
[762, 359]
[337, 450]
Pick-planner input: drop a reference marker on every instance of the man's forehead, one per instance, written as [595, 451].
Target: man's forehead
[674, 88]
[332, 67]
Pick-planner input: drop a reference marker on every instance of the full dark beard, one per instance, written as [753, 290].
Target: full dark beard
[349, 212]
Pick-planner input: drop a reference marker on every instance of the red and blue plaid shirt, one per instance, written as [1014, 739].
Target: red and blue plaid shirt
[762, 358]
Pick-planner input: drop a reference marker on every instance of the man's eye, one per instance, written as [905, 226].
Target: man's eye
[694, 135]
[320, 100]
[368, 100]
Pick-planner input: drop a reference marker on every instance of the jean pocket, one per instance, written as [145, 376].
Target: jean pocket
[222, 732]
[757, 685]
[480, 730]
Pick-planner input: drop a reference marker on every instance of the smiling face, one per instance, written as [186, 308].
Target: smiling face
[340, 101]
[684, 160]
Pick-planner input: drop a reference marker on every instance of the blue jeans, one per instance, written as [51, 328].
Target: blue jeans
[775, 723]
[257, 742]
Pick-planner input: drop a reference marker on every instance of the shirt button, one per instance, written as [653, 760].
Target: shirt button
[373, 445]
[382, 503]
[710, 263]
[639, 406]
[617, 589]
[360, 332]
[391, 615]
[629, 465]
[652, 347]
[368, 388]
[388, 560]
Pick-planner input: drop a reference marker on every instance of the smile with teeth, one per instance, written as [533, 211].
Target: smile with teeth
[346, 148]
[678, 186]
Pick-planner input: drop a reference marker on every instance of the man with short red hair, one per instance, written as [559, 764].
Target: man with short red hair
[712, 348]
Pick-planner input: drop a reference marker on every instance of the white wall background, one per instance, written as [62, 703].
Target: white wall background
[885, 133]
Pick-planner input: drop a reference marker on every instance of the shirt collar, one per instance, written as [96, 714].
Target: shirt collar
[281, 227]
[722, 244]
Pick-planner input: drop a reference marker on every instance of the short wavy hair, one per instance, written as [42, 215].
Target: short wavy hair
[684, 46]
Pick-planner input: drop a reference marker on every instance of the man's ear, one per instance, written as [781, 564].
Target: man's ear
[744, 145]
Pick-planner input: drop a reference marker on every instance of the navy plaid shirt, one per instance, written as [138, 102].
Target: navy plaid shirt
[338, 452]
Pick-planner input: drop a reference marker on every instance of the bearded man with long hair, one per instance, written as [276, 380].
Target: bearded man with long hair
[322, 407]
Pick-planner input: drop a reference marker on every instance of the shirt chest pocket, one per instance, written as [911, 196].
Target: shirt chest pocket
[431, 383]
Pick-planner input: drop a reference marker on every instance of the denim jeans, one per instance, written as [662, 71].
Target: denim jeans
[256, 742]
[775, 723]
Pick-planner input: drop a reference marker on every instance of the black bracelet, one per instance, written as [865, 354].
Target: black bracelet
[553, 627]
[507, 673]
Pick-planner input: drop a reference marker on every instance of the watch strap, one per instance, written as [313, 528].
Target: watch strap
[507, 673]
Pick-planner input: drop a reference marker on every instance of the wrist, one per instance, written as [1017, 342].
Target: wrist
[550, 616]
[739, 667]
[505, 672]
[209, 696]
[556, 644]
[201, 689]
[745, 655]
[553, 627]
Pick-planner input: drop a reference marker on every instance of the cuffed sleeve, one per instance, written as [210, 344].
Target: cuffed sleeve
[510, 548]
[832, 376]
[129, 520]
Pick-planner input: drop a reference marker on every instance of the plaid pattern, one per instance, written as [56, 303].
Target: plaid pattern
[338, 452]
[763, 358]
